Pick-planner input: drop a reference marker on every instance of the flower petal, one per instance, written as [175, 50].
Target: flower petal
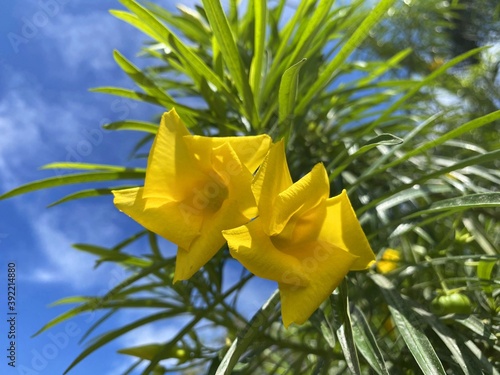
[296, 200]
[171, 166]
[168, 219]
[344, 230]
[237, 178]
[327, 265]
[249, 149]
[254, 249]
[272, 178]
[190, 260]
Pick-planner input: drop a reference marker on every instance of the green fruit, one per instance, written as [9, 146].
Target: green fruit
[455, 303]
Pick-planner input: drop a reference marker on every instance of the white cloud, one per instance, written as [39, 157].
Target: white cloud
[29, 123]
[87, 41]
[56, 230]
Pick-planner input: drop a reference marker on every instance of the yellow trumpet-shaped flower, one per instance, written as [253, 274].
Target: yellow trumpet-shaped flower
[302, 239]
[194, 188]
[389, 261]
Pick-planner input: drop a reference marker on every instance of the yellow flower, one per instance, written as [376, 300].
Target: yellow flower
[302, 239]
[389, 261]
[194, 188]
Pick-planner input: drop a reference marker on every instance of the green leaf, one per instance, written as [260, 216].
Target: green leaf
[416, 88]
[319, 321]
[247, 335]
[483, 158]
[89, 193]
[374, 170]
[127, 93]
[354, 41]
[140, 126]
[475, 325]
[79, 178]
[96, 302]
[256, 68]
[144, 351]
[85, 166]
[461, 203]
[165, 35]
[319, 17]
[484, 269]
[288, 90]
[410, 327]
[382, 139]
[458, 352]
[344, 331]
[152, 89]
[113, 256]
[367, 343]
[452, 134]
[111, 335]
[391, 63]
[133, 20]
[231, 55]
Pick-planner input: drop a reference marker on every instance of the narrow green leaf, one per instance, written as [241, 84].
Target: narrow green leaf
[134, 21]
[188, 22]
[461, 203]
[68, 314]
[231, 55]
[410, 327]
[447, 336]
[452, 134]
[476, 228]
[475, 324]
[93, 303]
[367, 343]
[344, 331]
[354, 41]
[288, 91]
[391, 63]
[152, 89]
[85, 166]
[319, 321]
[111, 335]
[244, 339]
[127, 93]
[141, 126]
[397, 105]
[79, 178]
[302, 47]
[484, 269]
[382, 139]
[90, 193]
[165, 35]
[287, 32]
[256, 68]
[374, 170]
[113, 256]
[483, 158]
[143, 351]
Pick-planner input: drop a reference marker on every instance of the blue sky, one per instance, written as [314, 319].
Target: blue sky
[52, 52]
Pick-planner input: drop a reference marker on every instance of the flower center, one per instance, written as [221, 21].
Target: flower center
[207, 196]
